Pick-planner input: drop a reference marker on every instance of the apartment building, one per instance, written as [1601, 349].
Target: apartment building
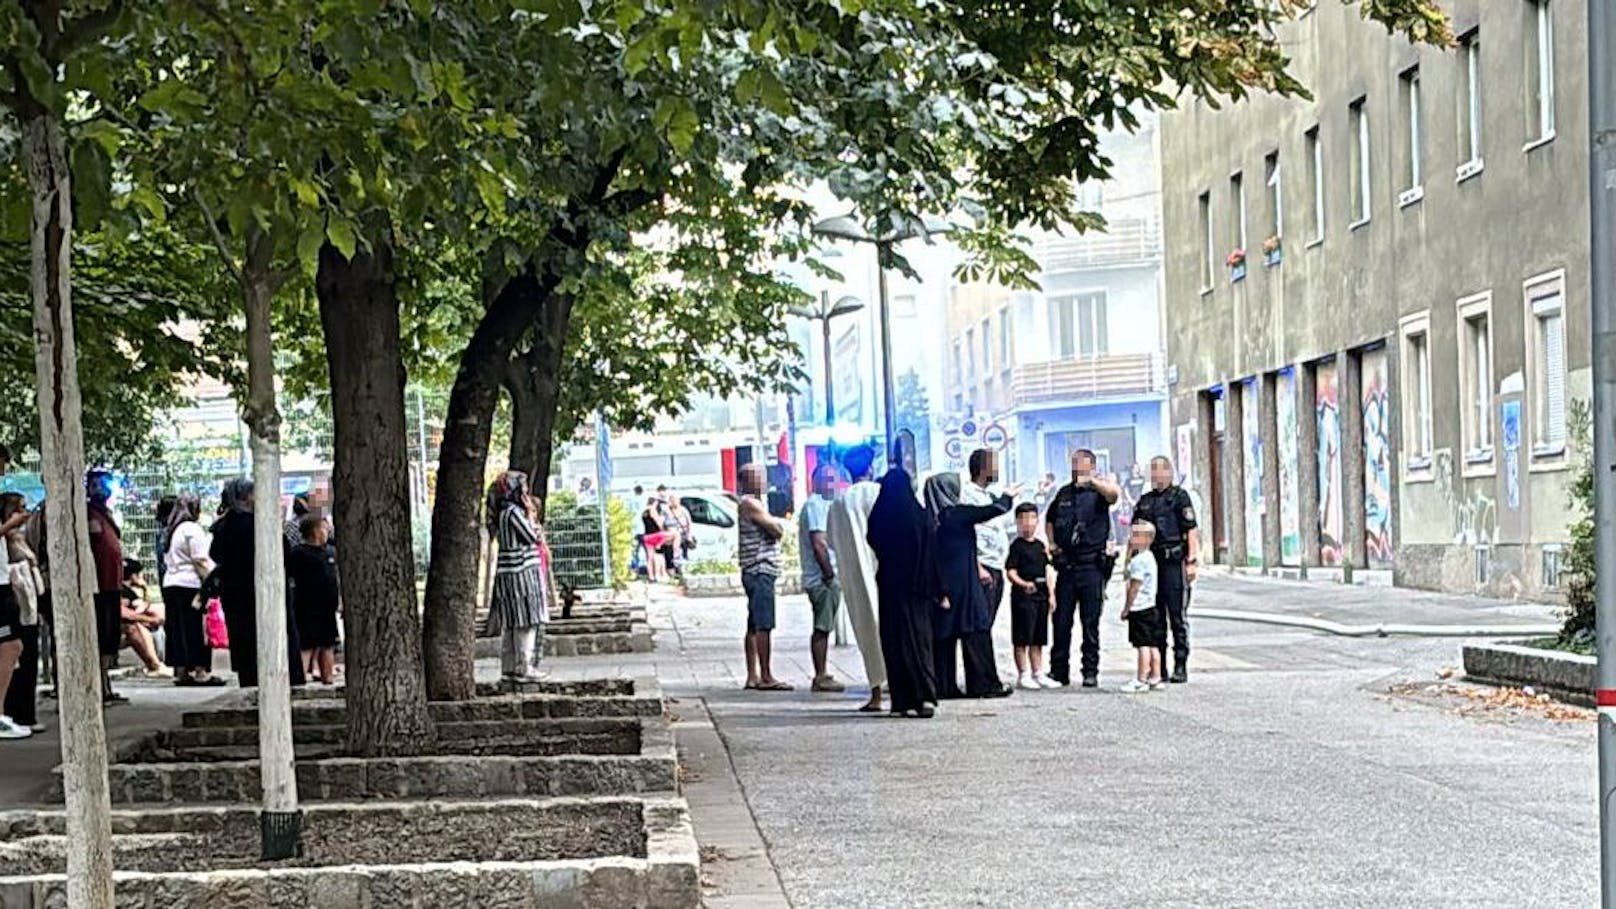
[1079, 362]
[1377, 301]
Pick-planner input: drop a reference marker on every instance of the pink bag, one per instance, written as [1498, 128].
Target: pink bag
[218, 634]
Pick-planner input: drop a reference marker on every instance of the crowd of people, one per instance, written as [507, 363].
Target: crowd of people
[924, 570]
[668, 534]
[204, 596]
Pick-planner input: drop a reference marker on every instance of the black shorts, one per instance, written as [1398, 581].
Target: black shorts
[1146, 629]
[109, 622]
[10, 615]
[1029, 619]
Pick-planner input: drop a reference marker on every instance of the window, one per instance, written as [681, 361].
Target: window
[970, 356]
[1542, 65]
[987, 346]
[1276, 198]
[1360, 162]
[1209, 266]
[1004, 338]
[1416, 375]
[1410, 91]
[1237, 192]
[1470, 105]
[1476, 374]
[1315, 178]
[1546, 364]
[959, 365]
[1079, 325]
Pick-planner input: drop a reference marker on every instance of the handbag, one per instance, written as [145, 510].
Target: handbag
[216, 631]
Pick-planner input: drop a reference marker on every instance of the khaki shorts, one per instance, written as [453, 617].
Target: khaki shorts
[825, 599]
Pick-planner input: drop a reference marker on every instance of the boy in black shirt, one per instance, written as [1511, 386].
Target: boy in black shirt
[316, 598]
[1032, 599]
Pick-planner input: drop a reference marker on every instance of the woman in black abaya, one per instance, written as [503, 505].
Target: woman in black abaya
[905, 584]
[964, 618]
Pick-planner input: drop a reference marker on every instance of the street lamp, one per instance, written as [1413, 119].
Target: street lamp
[824, 313]
[904, 227]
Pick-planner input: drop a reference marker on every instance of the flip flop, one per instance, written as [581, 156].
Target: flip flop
[749, 686]
[775, 685]
[871, 708]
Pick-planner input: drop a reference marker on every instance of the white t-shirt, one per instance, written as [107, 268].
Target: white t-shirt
[186, 549]
[812, 518]
[1142, 568]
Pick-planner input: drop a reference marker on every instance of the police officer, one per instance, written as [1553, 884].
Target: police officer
[1078, 525]
[1177, 552]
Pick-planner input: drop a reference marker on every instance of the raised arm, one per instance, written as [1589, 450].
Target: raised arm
[752, 510]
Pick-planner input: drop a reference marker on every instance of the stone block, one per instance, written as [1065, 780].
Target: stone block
[1568, 676]
[384, 778]
[343, 778]
[456, 885]
[291, 888]
[337, 887]
[508, 887]
[614, 886]
[393, 886]
[558, 886]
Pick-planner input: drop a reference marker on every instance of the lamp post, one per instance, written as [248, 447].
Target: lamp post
[824, 313]
[904, 227]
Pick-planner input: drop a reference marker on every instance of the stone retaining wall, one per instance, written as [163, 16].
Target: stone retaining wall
[663, 874]
[702, 586]
[1570, 677]
[646, 700]
[586, 735]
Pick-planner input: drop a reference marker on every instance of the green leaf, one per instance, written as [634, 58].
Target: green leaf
[307, 193]
[340, 231]
[308, 247]
[92, 183]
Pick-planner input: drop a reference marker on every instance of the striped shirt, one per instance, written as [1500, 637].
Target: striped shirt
[759, 552]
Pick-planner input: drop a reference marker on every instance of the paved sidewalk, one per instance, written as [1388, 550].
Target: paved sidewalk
[1348, 604]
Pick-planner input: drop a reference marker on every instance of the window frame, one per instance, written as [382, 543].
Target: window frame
[1415, 379]
[1209, 269]
[1540, 75]
[1274, 180]
[1470, 119]
[1237, 189]
[1409, 93]
[1545, 455]
[987, 346]
[1315, 166]
[1363, 203]
[1478, 460]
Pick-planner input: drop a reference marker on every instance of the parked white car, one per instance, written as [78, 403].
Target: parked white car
[713, 516]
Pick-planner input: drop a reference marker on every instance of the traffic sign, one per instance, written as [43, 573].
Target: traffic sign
[995, 437]
[953, 448]
[968, 428]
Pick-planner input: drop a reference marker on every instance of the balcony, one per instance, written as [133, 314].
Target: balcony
[1126, 241]
[1088, 378]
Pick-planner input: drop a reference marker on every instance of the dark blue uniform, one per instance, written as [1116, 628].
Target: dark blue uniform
[1081, 520]
[1173, 514]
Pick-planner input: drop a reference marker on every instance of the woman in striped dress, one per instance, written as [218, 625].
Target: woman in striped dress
[520, 605]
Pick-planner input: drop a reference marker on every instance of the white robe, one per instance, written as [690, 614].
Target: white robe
[855, 562]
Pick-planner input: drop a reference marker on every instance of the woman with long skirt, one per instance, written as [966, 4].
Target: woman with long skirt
[906, 588]
[520, 607]
[233, 552]
[964, 617]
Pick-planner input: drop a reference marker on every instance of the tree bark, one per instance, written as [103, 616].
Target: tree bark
[533, 381]
[280, 825]
[449, 624]
[360, 314]
[72, 570]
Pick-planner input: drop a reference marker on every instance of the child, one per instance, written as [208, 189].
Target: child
[1146, 630]
[1031, 599]
[312, 568]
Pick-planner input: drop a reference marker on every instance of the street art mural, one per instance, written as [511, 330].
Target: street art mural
[1473, 513]
[1377, 445]
[1328, 413]
[1290, 516]
[1510, 417]
[1251, 433]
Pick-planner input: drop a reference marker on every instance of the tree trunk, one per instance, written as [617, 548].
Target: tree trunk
[533, 380]
[450, 624]
[280, 823]
[359, 311]
[72, 571]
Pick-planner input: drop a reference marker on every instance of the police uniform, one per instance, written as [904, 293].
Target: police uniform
[1081, 522]
[1173, 515]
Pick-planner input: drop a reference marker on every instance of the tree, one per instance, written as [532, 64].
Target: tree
[46, 52]
[1581, 562]
[913, 412]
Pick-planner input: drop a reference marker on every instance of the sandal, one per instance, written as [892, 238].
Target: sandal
[775, 685]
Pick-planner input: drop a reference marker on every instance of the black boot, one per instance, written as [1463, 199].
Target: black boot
[1180, 673]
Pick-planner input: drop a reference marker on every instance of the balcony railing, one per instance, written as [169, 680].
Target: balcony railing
[1087, 378]
[1125, 241]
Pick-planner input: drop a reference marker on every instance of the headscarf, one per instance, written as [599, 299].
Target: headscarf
[237, 492]
[508, 490]
[897, 522]
[942, 493]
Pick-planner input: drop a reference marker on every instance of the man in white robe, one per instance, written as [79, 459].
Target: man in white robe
[848, 523]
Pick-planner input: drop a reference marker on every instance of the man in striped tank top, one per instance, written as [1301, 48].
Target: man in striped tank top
[759, 534]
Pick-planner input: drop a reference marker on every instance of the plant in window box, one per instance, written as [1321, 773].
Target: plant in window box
[1237, 265]
[1273, 251]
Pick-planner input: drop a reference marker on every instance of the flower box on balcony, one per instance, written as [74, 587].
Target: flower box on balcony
[1237, 265]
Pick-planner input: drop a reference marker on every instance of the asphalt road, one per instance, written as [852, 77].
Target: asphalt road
[1294, 770]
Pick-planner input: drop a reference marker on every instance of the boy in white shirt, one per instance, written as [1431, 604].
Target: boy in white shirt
[1146, 631]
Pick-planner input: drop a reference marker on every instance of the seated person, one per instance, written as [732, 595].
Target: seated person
[141, 619]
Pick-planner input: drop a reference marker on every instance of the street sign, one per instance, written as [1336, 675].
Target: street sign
[995, 437]
[953, 448]
[968, 428]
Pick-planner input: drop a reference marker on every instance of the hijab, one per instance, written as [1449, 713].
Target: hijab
[896, 518]
[942, 493]
[236, 497]
[509, 490]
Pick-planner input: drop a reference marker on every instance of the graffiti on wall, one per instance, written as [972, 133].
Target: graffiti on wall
[1251, 432]
[1377, 445]
[1290, 517]
[1328, 413]
[1510, 418]
[1474, 514]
